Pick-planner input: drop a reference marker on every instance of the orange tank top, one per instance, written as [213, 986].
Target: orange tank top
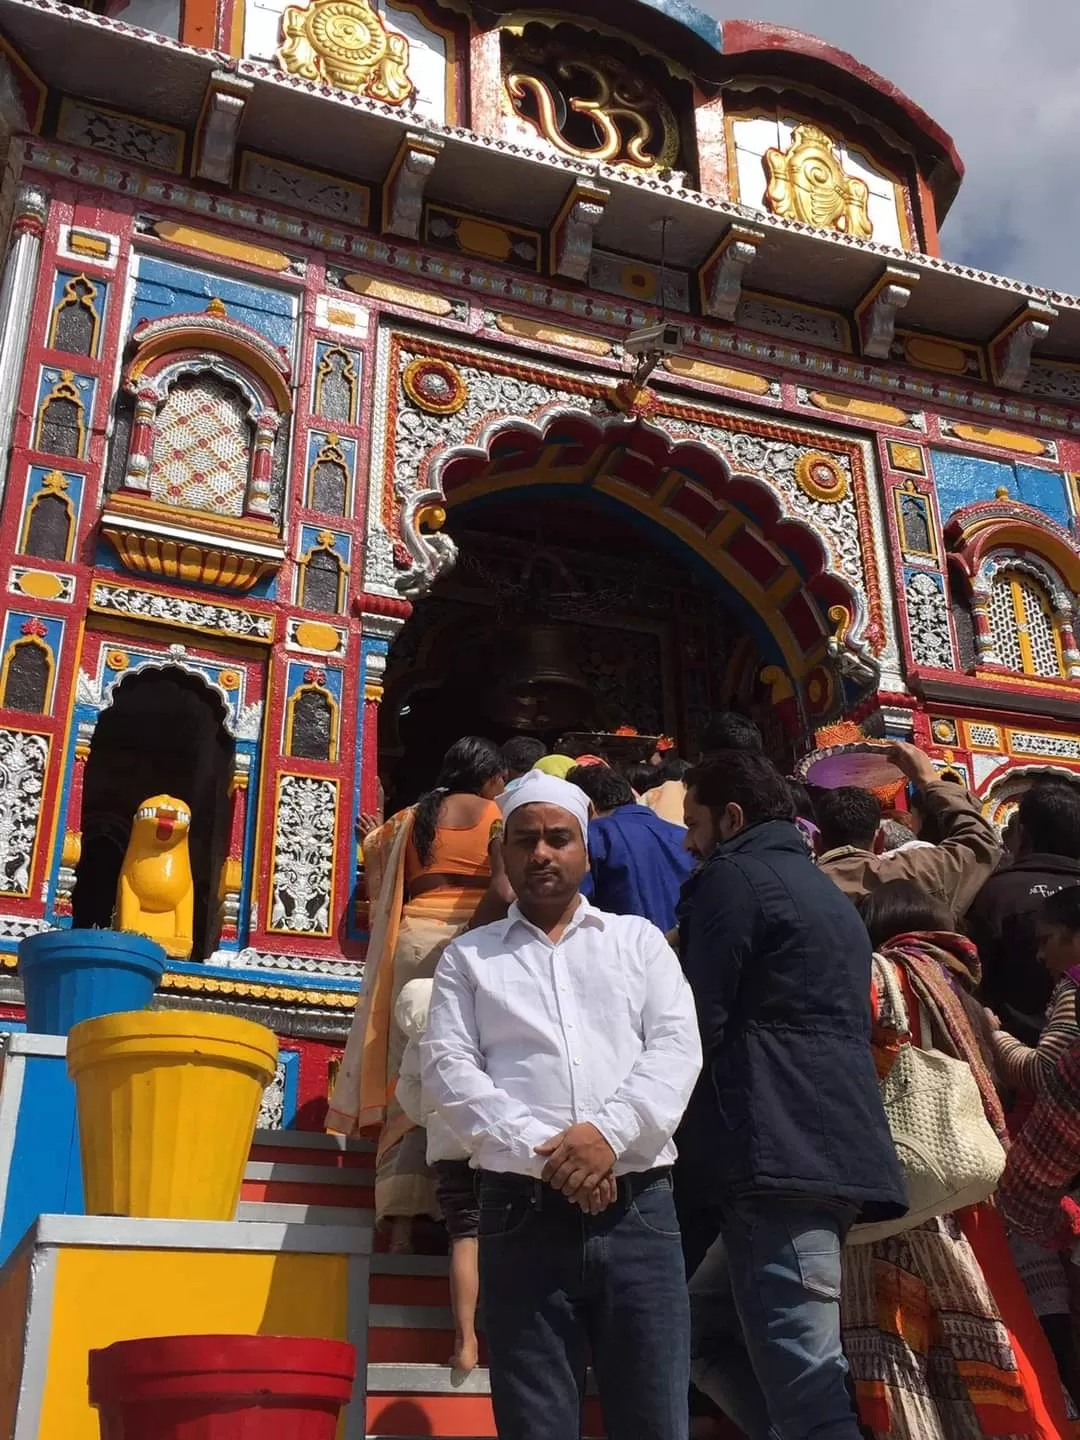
[457, 850]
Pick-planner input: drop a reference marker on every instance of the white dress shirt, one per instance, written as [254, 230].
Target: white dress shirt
[526, 1037]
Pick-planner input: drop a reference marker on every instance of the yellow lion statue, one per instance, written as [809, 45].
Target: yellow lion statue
[156, 894]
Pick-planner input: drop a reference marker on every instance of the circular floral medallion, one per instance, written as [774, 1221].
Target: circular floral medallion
[229, 679]
[435, 386]
[117, 660]
[944, 732]
[821, 477]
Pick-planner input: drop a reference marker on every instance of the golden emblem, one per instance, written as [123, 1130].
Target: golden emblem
[346, 44]
[807, 182]
[632, 123]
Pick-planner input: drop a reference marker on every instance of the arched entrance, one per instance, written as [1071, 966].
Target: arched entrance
[609, 576]
[164, 733]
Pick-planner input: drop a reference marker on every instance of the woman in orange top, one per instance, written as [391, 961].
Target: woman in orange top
[433, 871]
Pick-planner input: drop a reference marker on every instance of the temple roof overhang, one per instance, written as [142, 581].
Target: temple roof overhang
[716, 51]
[78, 53]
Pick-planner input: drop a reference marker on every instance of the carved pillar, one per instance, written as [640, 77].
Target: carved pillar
[258, 500]
[16, 302]
[71, 846]
[985, 649]
[137, 476]
[1069, 653]
[232, 872]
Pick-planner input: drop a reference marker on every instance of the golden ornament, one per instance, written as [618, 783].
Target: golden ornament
[807, 182]
[345, 43]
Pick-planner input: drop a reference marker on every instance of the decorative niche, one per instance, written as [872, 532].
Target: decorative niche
[205, 401]
[595, 98]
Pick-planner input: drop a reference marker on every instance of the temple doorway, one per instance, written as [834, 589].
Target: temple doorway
[163, 734]
[565, 614]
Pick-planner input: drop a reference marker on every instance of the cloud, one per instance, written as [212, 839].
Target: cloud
[1000, 76]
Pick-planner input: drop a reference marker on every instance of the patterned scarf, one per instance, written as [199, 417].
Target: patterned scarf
[933, 963]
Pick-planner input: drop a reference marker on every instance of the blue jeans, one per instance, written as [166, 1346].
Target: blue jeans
[555, 1281]
[765, 1307]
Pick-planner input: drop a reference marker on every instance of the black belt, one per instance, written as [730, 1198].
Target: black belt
[538, 1194]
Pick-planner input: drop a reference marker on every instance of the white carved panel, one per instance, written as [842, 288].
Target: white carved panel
[303, 877]
[24, 757]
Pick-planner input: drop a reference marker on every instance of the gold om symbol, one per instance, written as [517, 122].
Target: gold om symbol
[618, 96]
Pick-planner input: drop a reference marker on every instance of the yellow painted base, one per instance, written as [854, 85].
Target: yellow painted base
[104, 1293]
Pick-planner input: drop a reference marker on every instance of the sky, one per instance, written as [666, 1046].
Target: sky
[1001, 76]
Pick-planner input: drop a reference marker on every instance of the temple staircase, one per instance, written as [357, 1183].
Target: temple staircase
[300, 1178]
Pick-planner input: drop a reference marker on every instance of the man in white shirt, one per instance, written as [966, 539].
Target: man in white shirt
[561, 1049]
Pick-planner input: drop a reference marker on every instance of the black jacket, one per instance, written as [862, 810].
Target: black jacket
[1002, 924]
[779, 963]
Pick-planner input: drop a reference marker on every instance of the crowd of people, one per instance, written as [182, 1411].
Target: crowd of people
[761, 1101]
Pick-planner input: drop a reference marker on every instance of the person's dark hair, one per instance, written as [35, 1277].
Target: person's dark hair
[731, 731]
[900, 907]
[644, 777]
[801, 799]
[1050, 819]
[521, 753]
[1063, 909]
[847, 816]
[467, 767]
[738, 777]
[606, 788]
[671, 768]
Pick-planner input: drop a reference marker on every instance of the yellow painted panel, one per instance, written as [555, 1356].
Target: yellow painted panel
[1004, 439]
[862, 409]
[398, 295]
[313, 635]
[717, 375]
[14, 1300]
[107, 1295]
[211, 244]
[477, 237]
[936, 354]
[551, 335]
[41, 585]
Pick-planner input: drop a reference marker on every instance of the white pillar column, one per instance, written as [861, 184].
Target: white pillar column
[16, 303]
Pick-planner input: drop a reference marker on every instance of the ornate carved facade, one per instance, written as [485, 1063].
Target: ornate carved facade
[270, 371]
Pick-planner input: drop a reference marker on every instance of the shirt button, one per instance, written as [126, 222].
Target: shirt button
[576, 1060]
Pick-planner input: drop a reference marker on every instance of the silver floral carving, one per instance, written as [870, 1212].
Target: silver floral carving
[272, 1105]
[928, 622]
[23, 758]
[286, 184]
[776, 318]
[1058, 746]
[1053, 382]
[301, 891]
[120, 135]
[178, 610]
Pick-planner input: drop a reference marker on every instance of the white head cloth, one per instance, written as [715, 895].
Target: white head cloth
[536, 788]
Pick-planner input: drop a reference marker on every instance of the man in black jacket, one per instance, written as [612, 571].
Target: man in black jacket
[1002, 921]
[789, 1140]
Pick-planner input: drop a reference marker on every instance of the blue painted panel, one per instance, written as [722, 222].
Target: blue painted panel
[290, 1059]
[46, 1173]
[964, 479]
[165, 288]
[1045, 490]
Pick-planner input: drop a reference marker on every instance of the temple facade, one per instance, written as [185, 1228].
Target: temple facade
[374, 370]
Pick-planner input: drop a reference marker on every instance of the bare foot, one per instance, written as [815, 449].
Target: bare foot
[400, 1240]
[466, 1355]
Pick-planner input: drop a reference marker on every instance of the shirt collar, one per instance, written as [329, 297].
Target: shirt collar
[585, 914]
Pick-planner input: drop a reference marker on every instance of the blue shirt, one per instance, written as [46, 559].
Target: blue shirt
[637, 864]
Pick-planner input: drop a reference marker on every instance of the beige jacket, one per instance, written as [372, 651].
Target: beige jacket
[954, 871]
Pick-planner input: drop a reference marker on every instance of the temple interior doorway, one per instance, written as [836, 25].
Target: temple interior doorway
[163, 734]
[563, 614]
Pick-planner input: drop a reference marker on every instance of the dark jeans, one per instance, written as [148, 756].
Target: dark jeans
[554, 1281]
[765, 1304]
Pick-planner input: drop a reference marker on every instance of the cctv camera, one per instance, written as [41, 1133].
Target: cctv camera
[655, 340]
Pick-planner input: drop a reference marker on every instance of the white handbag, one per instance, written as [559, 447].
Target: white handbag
[947, 1148]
